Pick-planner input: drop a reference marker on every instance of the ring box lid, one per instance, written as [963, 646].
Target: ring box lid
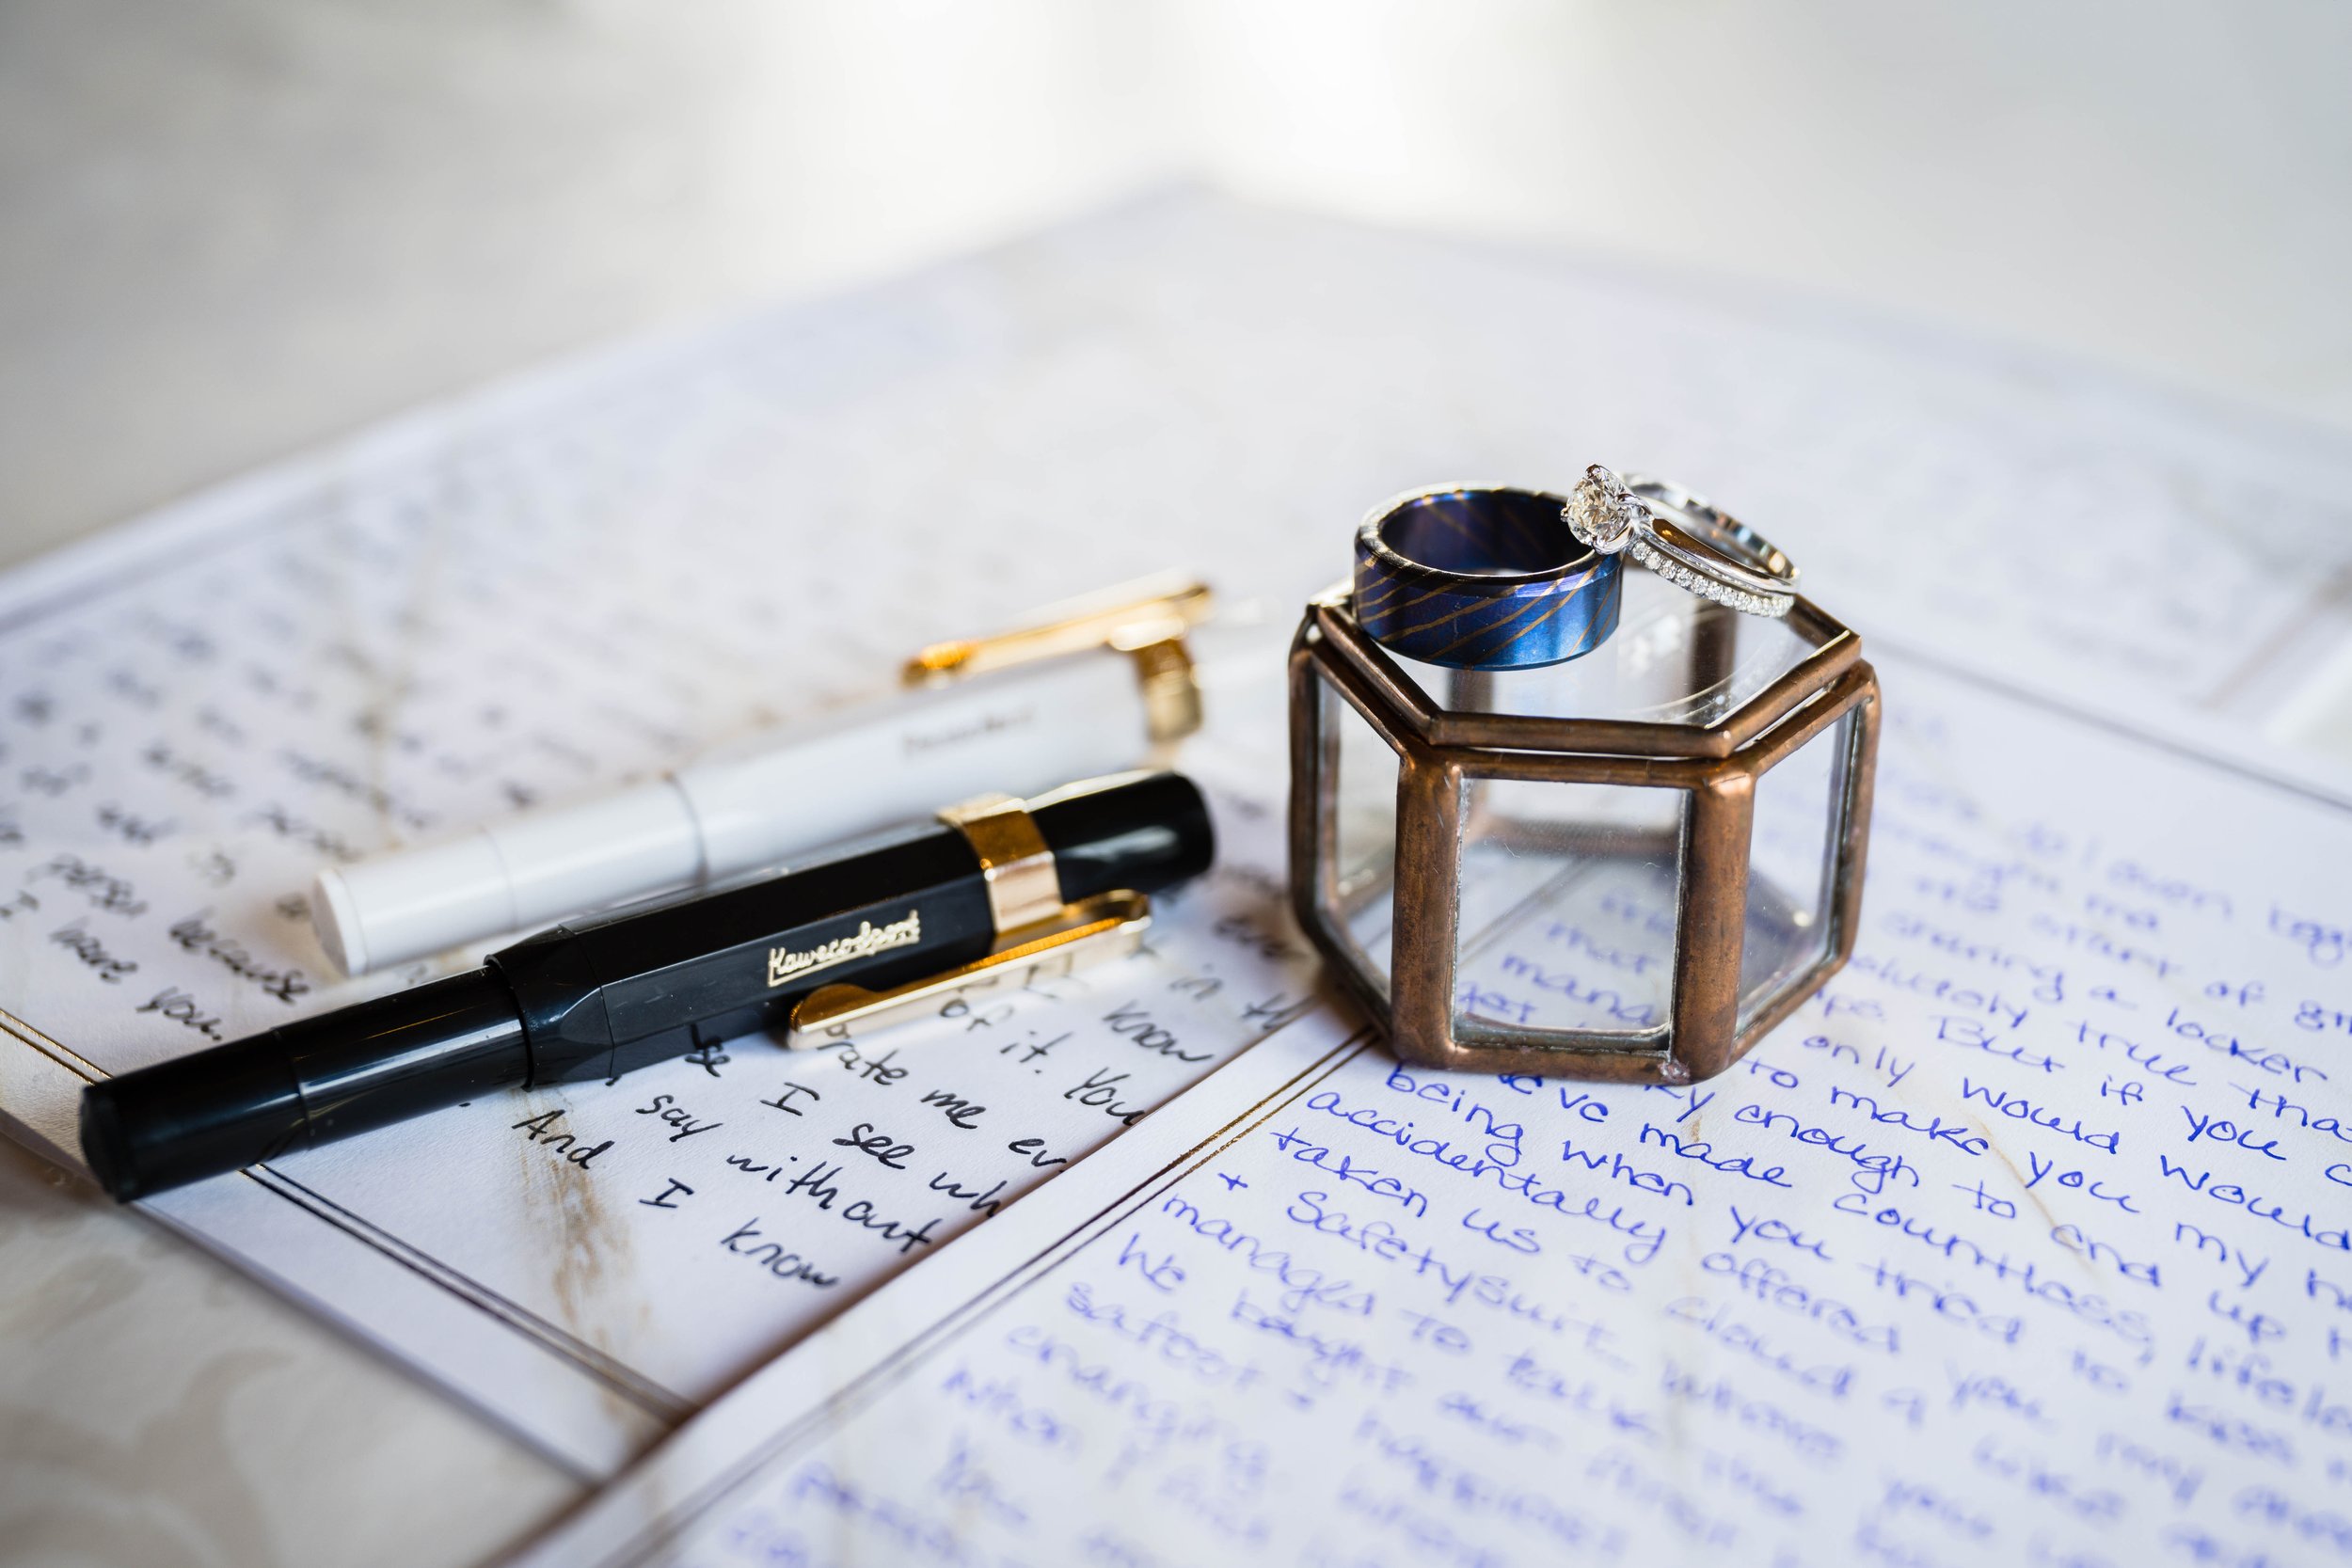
[1772, 668]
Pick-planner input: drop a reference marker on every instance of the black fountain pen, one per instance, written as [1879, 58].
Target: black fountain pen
[1003, 889]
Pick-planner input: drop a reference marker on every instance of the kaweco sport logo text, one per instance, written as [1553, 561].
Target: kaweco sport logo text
[870, 939]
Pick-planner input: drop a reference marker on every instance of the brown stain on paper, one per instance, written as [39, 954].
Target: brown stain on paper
[593, 1282]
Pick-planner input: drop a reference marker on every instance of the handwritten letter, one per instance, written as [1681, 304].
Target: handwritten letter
[2027, 1242]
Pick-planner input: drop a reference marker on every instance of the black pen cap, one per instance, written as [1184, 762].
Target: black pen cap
[327, 1077]
[1139, 831]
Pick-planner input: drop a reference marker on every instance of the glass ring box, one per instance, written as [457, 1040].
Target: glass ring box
[1627, 866]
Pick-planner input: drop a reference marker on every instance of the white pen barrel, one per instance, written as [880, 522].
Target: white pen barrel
[560, 863]
[1071, 720]
[1021, 732]
[532, 870]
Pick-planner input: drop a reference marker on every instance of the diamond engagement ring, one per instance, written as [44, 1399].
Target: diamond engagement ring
[1683, 538]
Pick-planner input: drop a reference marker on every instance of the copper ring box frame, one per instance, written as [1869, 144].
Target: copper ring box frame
[1628, 866]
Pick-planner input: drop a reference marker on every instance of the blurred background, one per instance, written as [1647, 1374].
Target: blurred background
[230, 229]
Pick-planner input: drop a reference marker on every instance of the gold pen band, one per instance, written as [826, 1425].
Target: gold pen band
[1023, 887]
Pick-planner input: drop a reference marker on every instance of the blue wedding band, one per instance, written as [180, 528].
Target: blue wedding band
[1482, 576]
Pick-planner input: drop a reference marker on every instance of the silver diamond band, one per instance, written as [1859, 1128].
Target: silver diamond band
[1770, 605]
[1683, 538]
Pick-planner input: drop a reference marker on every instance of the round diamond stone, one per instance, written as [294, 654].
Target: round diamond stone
[1601, 513]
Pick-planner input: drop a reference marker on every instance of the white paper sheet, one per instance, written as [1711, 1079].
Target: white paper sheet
[563, 584]
[2027, 1242]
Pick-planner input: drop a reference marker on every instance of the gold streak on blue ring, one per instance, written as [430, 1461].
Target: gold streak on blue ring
[1482, 576]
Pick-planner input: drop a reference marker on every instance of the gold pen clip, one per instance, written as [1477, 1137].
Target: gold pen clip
[1090, 931]
[1146, 619]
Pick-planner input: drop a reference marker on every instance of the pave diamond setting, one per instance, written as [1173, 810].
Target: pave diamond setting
[1707, 588]
[1602, 513]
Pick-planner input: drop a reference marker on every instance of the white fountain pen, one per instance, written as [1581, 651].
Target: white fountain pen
[1093, 686]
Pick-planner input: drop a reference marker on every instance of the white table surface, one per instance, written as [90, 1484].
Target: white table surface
[158, 1408]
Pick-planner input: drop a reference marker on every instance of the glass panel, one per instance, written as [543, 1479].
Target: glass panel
[1569, 897]
[1675, 659]
[1358, 874]
[1790, 866]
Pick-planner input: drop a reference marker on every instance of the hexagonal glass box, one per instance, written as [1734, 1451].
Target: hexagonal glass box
[1627, 866]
